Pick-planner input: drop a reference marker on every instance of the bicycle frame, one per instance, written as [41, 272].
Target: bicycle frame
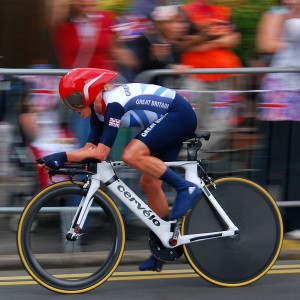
[105, 174]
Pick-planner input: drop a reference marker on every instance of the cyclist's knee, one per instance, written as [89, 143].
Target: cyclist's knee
[131, 157]
[128, 157]
[134, 152]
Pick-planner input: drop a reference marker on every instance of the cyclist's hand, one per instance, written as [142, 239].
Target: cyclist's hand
[53, 161]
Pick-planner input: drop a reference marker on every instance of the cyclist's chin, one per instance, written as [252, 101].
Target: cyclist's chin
[85, 112]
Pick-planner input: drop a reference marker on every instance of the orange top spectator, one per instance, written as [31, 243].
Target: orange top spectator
[216, 19]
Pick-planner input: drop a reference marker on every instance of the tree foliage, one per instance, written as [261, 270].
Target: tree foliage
[246, 14]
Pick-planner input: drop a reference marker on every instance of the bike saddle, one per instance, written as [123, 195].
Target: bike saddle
[205, 135]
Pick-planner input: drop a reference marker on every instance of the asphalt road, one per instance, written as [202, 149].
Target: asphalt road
[176, 281]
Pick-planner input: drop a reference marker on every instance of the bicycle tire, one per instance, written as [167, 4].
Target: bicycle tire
[233, 262]
[61, 265]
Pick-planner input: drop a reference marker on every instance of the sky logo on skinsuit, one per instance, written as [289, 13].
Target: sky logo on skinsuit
[114, 122]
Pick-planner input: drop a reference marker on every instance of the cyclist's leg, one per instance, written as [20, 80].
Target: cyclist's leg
[156, 197]
[157, 202]
[152, 263]
[165, 136]
[137, 155]
[167, 132]
[153, 186]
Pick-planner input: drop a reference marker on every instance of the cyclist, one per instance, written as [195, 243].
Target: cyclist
[166, 118]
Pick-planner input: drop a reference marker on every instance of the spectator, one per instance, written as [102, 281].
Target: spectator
[159, 47]
[279, 116]
[144, 7]
[82, 37]
[40, 121]
[268, 36]
[163, 39]
[16, 159]
[13, 92]
[81, 33]
[217, 110]
[267, 40]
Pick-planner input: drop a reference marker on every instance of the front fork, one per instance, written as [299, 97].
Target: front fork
[80, 216]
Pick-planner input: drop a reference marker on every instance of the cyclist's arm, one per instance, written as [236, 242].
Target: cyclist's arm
[102, 134]
[89, 151]
[92, 141]
[96, 130]
[112, 119]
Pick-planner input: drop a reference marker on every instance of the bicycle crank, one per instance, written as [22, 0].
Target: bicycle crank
[160, 251]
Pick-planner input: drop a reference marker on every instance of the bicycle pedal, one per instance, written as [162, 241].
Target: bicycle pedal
[158, 266]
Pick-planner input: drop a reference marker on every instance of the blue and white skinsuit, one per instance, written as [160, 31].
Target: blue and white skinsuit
[165, 117]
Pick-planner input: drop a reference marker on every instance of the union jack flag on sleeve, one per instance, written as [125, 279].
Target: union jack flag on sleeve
[114, 122]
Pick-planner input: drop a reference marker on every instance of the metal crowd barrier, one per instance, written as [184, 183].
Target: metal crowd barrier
[146, 77]
[18, 209]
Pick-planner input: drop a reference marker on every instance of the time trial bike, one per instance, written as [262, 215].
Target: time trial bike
[231, 236]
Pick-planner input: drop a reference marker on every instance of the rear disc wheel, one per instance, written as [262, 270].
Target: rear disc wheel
[246, 258]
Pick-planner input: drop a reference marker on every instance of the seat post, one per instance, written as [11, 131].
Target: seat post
[195, 144]
[192, 150]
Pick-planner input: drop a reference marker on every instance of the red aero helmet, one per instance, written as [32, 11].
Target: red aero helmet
[79, 87]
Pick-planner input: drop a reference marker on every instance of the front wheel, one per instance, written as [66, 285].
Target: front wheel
[246, 258]
[70, 266]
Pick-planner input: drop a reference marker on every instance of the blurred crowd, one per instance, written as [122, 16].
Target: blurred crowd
[174, 35]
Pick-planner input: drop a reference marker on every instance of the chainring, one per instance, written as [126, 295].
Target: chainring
[161, 252]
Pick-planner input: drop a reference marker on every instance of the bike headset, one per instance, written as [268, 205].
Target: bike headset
[80, 86]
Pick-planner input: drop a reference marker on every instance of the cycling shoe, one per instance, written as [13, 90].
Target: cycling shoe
[151, 264]
[184, 201]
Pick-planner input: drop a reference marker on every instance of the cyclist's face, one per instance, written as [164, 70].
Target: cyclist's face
[84, 112]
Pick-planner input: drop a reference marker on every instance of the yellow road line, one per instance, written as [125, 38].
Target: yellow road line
[147, 275]
[7, 283]
[151, 272]
[154, 276]
[285, 267]
[286, 271]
